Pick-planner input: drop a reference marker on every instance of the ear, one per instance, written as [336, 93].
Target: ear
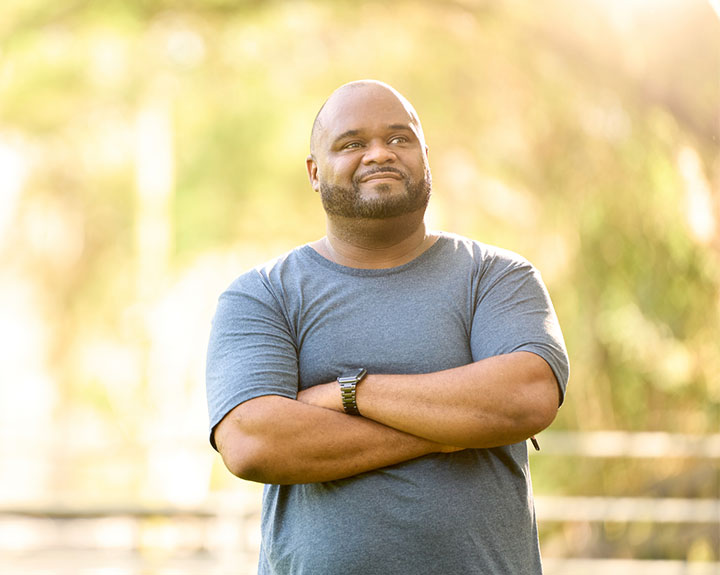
[312, 170]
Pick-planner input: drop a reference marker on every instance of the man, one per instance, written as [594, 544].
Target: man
[383, 381]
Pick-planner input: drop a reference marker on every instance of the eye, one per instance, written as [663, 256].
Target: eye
[399, 140]
[351, 145]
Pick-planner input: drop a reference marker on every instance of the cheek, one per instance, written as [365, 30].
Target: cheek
[418, 166]
[343, 169]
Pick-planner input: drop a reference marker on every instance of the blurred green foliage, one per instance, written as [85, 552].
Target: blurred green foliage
[583, 135]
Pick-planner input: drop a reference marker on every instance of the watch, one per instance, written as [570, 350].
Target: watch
[348, 387]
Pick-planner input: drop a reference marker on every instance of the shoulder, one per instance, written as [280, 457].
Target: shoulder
[263, 276]
[484, 256]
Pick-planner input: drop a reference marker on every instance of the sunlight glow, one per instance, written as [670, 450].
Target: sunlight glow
[715, 6]
[13, 173]
[698, 197]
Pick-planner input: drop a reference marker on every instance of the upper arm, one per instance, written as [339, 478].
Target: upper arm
[251, 351]
[514, 313]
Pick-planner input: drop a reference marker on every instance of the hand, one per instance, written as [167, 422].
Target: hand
[450, 449]
[325, 395]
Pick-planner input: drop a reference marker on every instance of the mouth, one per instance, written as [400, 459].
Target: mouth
[381, 175]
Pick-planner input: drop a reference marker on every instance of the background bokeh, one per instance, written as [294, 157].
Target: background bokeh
[151, 151]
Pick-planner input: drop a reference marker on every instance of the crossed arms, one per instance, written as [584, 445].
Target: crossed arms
[496, 401]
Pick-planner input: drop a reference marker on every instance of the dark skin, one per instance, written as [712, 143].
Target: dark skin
[369, 142]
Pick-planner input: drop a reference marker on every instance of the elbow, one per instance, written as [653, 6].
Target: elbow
[537, 398]
[540, 407]
[250, 448]
[540, 419]
[251, 459]
[246, 460]
[240, 460]
[243, 454]
[533, 410]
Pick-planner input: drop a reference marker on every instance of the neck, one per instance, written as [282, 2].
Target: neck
[375, 244]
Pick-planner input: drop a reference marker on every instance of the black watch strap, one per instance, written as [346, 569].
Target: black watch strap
[348, 389]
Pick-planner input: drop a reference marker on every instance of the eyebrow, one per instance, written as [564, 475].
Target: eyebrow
[352, 133]
[347, 134]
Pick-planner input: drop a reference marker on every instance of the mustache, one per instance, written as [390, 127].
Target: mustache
[380, 170]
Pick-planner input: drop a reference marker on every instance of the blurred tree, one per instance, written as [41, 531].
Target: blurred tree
[581, 134]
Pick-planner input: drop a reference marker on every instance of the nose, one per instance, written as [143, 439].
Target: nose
[378, 152]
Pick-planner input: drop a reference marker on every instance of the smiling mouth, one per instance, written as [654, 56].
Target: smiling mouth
[381, 176]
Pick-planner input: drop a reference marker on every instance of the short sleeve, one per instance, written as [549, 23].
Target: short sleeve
[513, 312]
[251, 351]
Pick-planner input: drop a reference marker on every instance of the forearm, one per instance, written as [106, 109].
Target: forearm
[274, 439]
[496, 401]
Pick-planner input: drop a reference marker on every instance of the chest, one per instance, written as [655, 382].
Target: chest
[384, 325]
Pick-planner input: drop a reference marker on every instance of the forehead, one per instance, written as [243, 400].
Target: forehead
[365, 108]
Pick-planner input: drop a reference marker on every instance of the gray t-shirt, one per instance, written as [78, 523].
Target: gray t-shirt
[302, 320]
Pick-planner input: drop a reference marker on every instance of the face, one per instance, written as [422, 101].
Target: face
[369, 158]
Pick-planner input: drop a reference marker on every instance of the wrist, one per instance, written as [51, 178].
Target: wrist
[323, 395]
[348, 390]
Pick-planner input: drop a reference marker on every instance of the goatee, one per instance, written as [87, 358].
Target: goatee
[348, 201]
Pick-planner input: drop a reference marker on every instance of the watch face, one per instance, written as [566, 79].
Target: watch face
[352, 377]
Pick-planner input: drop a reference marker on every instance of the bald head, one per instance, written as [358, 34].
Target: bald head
[352, 96]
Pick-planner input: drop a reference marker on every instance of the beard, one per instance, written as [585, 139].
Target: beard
[348, 201]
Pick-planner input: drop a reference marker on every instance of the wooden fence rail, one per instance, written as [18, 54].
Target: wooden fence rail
[221, 536]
